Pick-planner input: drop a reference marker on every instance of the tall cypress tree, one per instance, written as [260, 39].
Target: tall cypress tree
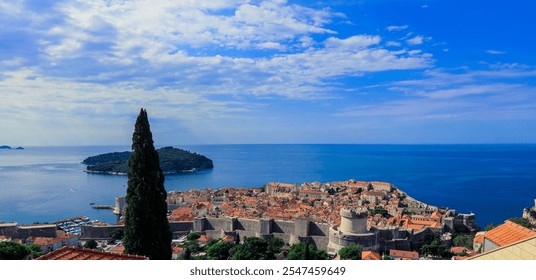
[146, 226]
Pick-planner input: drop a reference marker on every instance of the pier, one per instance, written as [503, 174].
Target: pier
[109, 207]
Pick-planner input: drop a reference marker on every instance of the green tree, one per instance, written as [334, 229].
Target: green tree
[35, 250]
[463, 240]
[489, 227]
[386, 258]
[147, 230]
[91, 244]
[219, 251]
[193, 236]
[13, 251]
[254, 248]
[351, 252]
[187, 254]
[436, 249]
[117, 234]
[379, 210]
[306, 251]
[521, 221]
[192, 245]
[275, 244]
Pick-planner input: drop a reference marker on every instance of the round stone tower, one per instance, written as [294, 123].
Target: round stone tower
[352, 230]
[354, 220]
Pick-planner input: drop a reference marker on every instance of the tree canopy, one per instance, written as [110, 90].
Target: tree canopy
[219, 250]
[13, 251]
[351, 252]
[255, 248]
[91, 244]
[146, 226]
[521, 221]
[306, 251]
[436, 249]
[172, 160]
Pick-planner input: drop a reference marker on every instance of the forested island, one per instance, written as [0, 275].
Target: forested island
[9, 148]
[172, 161]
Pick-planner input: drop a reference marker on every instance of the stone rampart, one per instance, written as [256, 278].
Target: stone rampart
[181, 226]
[46, 230]
[97, 232]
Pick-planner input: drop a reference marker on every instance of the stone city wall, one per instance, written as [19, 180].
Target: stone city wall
[97, 232]
[42, 231]
[14, 230]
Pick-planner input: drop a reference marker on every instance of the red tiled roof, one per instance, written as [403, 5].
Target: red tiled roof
[370, 255]
[479, 238]
[436, 215]
[117, 249]
[45, 241]
[74, 253]
[459, 250]
[508, 233]
[203, 238]
[403, 254]
[177, 249]
[228, 238]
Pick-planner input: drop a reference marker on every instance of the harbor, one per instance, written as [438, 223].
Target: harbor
[74, 225]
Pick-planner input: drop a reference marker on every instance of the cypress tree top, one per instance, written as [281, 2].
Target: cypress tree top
[146, 226]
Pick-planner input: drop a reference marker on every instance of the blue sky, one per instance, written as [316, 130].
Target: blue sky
[274, 71]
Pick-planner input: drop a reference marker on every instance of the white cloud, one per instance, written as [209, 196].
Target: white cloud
[98, 113]
[495, 52]
[354, 42]
[187, 61]
[185, 45]
[417, 40]
[397, 27]
[270, 45]
[497, 93]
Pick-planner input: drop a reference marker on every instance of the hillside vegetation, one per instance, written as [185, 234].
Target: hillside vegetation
[172, 160]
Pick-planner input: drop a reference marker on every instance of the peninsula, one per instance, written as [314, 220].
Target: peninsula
[172, 161]
[378, 216]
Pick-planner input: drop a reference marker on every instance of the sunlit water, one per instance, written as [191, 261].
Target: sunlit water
[495, 182]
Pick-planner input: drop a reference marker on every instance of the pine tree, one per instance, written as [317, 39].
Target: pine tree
[146, 226]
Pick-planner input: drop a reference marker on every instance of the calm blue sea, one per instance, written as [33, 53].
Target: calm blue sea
[495, 182]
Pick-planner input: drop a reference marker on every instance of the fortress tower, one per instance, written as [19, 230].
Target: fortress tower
[354, 220]
[352, 230]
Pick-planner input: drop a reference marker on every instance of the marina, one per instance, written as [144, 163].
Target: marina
[74, 225]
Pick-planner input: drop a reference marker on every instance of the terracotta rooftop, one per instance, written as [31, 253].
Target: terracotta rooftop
[370, 255]
[203, 238]
[74, 253]
[45, 241]
[460, 250]
[177, 249]
[400, 254]
[117, 249]
[508, 233]
[479, 238]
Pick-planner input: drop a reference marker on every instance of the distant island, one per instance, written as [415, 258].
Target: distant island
[172, 161]
[9, 148]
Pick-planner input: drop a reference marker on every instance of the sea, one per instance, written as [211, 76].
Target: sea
[47, 184]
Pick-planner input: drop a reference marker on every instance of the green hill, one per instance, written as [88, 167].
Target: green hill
[172, 160]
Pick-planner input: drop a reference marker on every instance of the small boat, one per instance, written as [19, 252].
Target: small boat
[92, 203]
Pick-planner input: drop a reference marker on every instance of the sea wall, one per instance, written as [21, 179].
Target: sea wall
[13, 230]
[103, 232]
[97, 232]
[290, 231]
